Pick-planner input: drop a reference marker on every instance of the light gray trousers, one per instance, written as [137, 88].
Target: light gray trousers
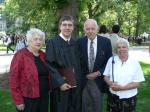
[92, 98]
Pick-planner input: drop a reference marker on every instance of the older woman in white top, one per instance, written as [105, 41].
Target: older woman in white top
[123, 75]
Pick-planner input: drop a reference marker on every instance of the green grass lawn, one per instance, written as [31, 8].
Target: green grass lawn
[144, 90]
[6, 104]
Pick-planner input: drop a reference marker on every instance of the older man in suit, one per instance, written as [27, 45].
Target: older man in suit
[94, 51]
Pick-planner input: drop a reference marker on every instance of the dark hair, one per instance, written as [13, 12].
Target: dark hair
[66, 18]
[102, 29]
[115, 28]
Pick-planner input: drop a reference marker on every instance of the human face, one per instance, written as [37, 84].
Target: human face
[90, 29]
[122, 50]
[66, 28]
[36, 42]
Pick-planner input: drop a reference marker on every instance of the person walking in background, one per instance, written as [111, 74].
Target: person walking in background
[61, 53]
[94, 50]
[29, 77]
[9, 43]
[103, 31]
[123, 85]
[21, 42]
[114, 37]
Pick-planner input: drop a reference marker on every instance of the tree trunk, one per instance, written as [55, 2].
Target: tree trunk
[71, 8]
[137, 26]
[129, 33]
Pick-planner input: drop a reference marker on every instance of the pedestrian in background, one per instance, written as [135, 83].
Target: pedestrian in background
[114, 37]
[21, 42]
[9, 43]
[103, 31]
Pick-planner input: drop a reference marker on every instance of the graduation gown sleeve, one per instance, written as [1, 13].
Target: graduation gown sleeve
[57, 80]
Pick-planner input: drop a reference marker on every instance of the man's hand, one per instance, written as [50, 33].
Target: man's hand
[93, 76]
[20, 107]
[65, 87]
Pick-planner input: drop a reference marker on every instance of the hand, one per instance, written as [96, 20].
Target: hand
[65, 87]
[20, 107]
[116, 87]
[92, 76]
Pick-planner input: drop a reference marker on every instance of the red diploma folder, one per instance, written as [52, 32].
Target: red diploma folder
[68, 75]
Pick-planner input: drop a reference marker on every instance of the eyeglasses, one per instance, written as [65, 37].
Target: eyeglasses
[65, 25]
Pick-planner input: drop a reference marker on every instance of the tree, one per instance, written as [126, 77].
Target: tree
[67, 7]
[35, 13]
[132, 15]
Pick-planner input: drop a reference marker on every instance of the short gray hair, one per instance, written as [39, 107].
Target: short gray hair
[34, 31]
[92, 20]
[123, 41]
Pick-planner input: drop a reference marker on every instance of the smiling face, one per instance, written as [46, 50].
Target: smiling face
[90, 29]
[122, 50]
[66, 28]
[36, 42]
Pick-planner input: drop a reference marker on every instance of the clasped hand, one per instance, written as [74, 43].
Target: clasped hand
[65, 87]
[116, 87]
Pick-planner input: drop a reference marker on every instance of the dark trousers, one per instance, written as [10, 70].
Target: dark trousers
[66, 101]
[9, 47]
[37, 104]
[92, 98]
[121, 105]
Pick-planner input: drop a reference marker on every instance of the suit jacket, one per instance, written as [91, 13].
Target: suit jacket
[104, 52]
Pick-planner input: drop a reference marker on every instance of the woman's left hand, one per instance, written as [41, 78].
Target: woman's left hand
[116, 87]
[20, 107]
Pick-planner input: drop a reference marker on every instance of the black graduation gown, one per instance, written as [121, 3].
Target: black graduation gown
[60, 54]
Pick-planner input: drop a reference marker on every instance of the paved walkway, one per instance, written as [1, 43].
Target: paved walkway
[140, 53]
[5, 60]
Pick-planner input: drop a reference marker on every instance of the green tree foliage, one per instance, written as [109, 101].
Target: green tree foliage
[43, 14]
[92, 9]
[132, 15]
[143, 9]
[35, 13]
[10, 13]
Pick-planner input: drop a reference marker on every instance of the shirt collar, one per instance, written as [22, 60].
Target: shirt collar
[118, 59]
[94, 41]
[61, 35]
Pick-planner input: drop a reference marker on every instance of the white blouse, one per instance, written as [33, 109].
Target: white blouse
[129, 71]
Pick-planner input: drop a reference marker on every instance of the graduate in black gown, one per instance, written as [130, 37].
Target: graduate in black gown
[61, 52]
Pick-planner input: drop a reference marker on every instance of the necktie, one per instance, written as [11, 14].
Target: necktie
[68, 42]
[91, 56]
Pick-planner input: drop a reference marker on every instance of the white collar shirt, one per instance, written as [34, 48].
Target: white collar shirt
[124, 73]
[64, 38]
